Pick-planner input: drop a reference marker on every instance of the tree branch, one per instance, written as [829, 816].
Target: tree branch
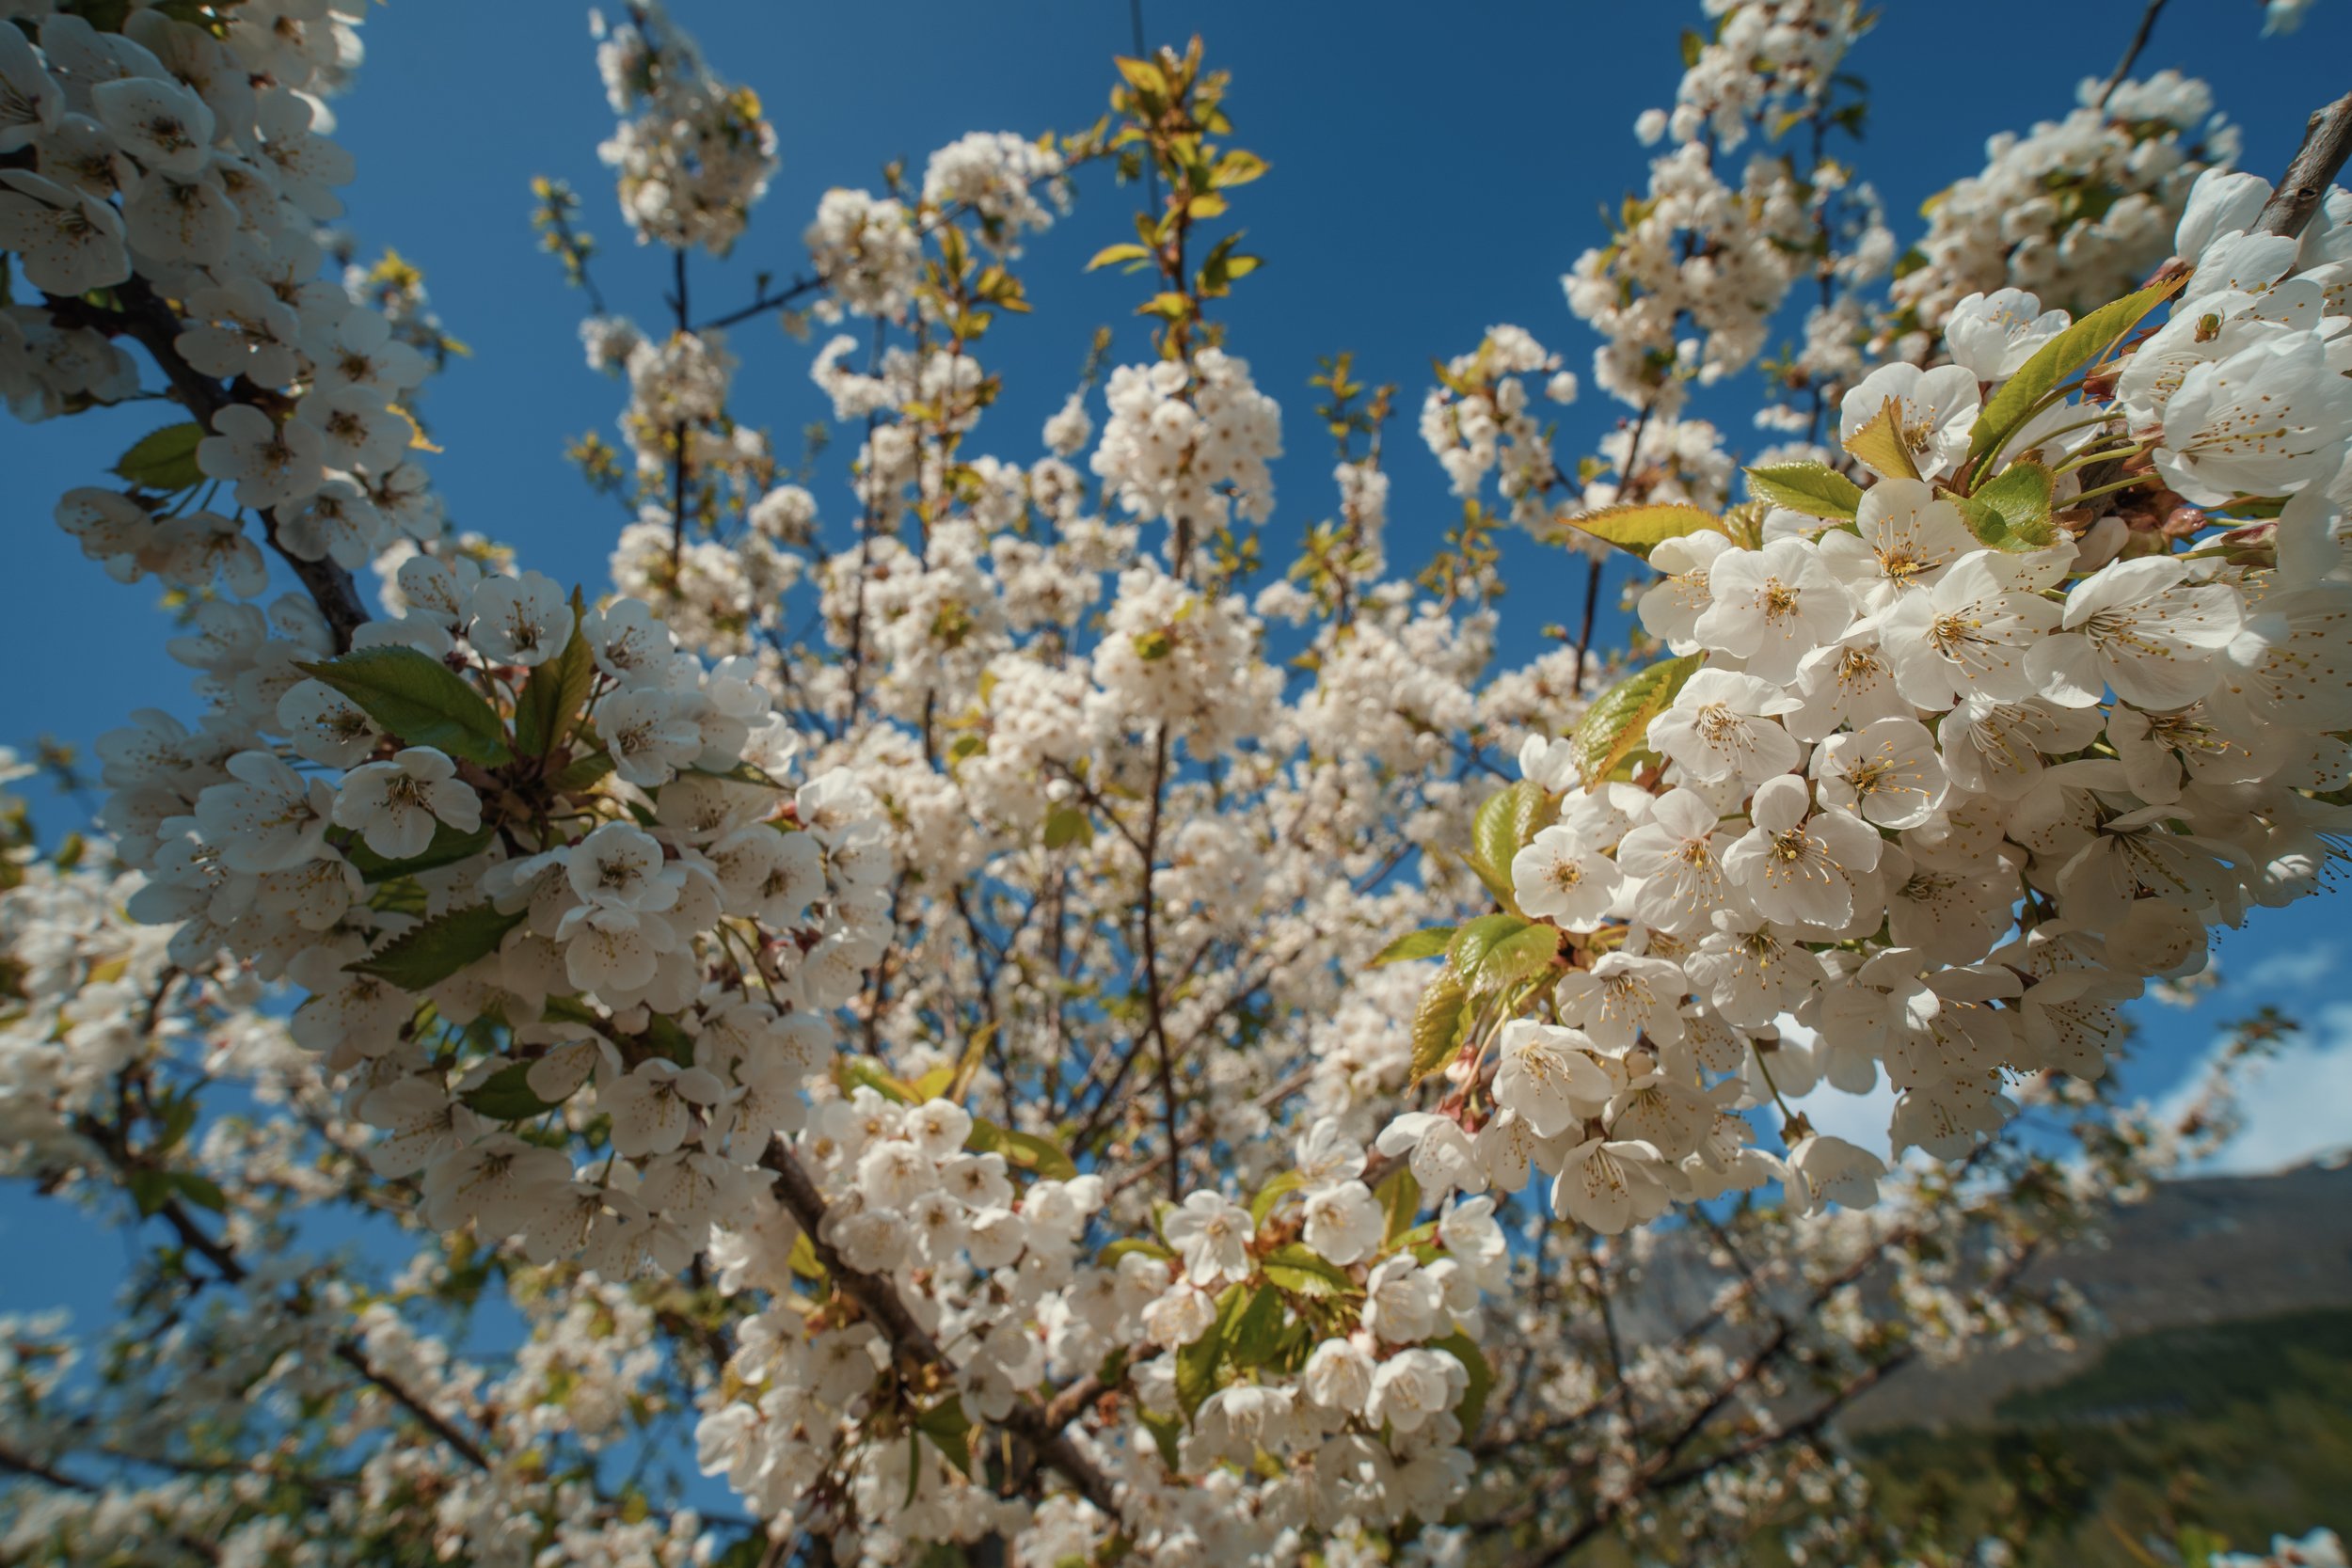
[1042, 1429]
[2327, 140]
[2130, 52]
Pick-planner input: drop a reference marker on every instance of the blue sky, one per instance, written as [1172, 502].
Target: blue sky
[1434, 171]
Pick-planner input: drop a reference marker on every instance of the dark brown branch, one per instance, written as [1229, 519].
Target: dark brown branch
[49, 1475]
[1584, 631]
[2327, 140]
[2130, 52]
[148, 321]
[1042, 1429]
[347, 1349]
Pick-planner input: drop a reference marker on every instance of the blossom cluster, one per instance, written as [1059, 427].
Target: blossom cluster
[2075, 211]
[1187, 442]
[914, 992]
[1945, 779]
[694, 152]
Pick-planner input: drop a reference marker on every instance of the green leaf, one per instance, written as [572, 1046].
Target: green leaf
[203, 1191]
[1257, 1330]
[1271, 1194]
[1813, 488]
[664, 1035]
[179, 1118]
[1068, 825]
[419, 699]
[163, 459]
[2072, 350]
[1165, 1431]
[1400, 1198]
[1197, 1363]
[1437, 1025]
[422, 957]
[1640, 528]
[1881, 444]
[580, 774]
[1125, 1244]
[552, 698]
[1482, 1377]
[1237, 167]
[1503, 823]
[1111, 255]
[506, 1096]
[1425, 943]
[448, 847]
[1023, 1150]
[2012, 512]
[850, 1071]
[1473, 938]
[1619, 721]
[1521, 956]
[1304, 1272]
[149, 1189]
[1041, 1156]
[949, 1429]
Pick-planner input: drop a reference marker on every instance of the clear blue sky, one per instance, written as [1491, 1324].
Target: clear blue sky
[1434, 170]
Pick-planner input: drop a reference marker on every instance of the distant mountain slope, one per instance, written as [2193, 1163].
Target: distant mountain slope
[2212, 1250]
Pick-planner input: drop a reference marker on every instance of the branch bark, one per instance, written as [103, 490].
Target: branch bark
[2327, 140]
[1042, 1429]
[154, 326]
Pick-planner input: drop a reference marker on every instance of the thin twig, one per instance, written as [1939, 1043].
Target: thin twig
[2130, 52]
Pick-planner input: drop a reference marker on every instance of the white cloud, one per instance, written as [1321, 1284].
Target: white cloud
[2293, 1106]
[2295, 969]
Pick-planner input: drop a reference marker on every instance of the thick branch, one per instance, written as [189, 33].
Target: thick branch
[2327, 140]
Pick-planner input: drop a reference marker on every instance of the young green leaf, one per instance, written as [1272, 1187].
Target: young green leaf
[552, 698]
[448, 847]
[1813, 488]
[1425, 943]
[1125, 1244]
[506, 1095]
[581, 773]
[1473, 939]
[1521, 956]
[1256, 1329]
[1437, 1025]
[1400, 1199]
[1197, 1363]
[1111, 255]
[422, 957]
[1619, 721]
[1271, 1194]
[949, 1429]
[2078, 346]
[1068, 825]
[1482, 1377]
[1495, 830]
[1881, 444]
[1640, 529]
[419, 699]
[1303, 1272]
[163, 459]
[2012, 512]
